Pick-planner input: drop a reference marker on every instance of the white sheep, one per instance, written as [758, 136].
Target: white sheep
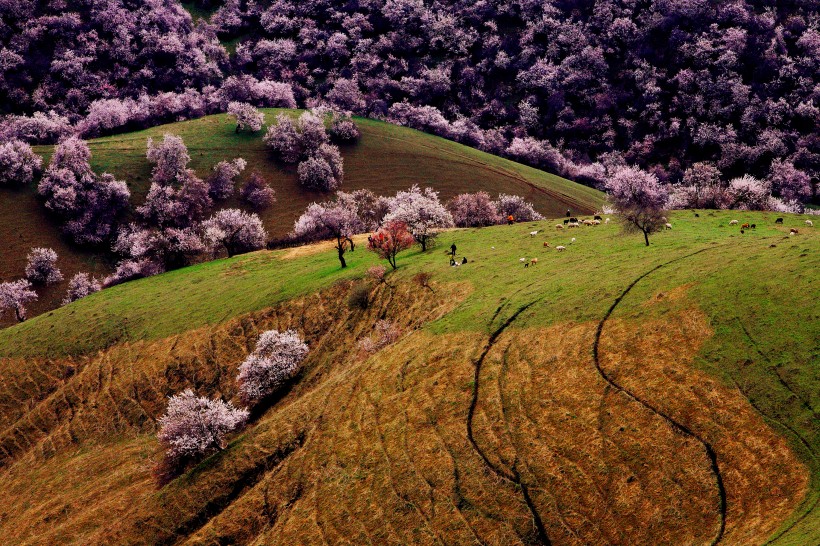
[733, 223]
[533, 233]
[606, 221]
[668, 225]
[560, 248]
[522, 260]
[596, 222]
[559, 226]
[573, 224]
[809, 223]
[573, 240]
[587, 222]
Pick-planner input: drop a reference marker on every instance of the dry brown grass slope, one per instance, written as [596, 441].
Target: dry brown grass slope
[376, 451]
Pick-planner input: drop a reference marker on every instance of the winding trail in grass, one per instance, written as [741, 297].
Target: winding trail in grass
[512, 476]
[676, 425]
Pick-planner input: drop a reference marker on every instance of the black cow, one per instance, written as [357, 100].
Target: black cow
[566, 221]
[597, 217]
[573, 219]
[779, 221]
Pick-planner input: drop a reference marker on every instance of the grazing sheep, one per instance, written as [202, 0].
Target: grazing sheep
[560, 248]
[526, 264]
[742, 231]
[746, 226]
[754, 226]
[574, 219]
[533, 233]
[668, 225]
[534, 261]
[597, 218]
[664, 218]
[522, 260]
[596, 222]
[779, 221]
[573, 224]
[566, 221]
[573, 240]
[793, 231]
[559, 226]
[587, 222]
[606, 221]
[546, 244]
[734, 223]
[697, 215]
[809, 223]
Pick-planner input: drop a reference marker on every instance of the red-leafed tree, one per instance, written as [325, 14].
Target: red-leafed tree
[392, 238]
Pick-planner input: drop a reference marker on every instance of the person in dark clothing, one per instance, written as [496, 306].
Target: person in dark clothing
[453, 250]
[569, 213]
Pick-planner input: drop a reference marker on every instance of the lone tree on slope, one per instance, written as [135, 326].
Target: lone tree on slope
[639, 198]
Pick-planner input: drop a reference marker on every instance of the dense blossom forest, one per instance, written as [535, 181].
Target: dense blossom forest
[577, 87]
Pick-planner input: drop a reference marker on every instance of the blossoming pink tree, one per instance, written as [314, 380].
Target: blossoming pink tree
[422, 212]
[18, 163]
[80, 286]
[14, 295]
[332, 220]
[247, 117]
[275, 360]
[42, 266]
[234, 230]
[474, 210]
[639, 199]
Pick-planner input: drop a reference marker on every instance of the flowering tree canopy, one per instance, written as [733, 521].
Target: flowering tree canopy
[474, 210]
[222, 182]
[335, 220]
[639, 198]
[517, 207]
[18, 163]
[421, 211]
[80, 286]
[194, 425]
[258, 193]
[247, 117]
[88, 204]
[392, 238]
[14, 295]
[275, 360]
[42, 266]
[235, 230]
[170, 159]
[323, 170]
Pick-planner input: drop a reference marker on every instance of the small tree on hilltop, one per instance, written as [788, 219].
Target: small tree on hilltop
[332, 220]
[194, 426]
[275, 360]
[639, 199]
[42, 266]
[392, 238]
[235, 230]
[18, 163]
[14, 296]
[422, 212]
[247, 117]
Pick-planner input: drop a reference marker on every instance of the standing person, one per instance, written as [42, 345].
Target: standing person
[510, 220]
[453, 250]
[569, 213]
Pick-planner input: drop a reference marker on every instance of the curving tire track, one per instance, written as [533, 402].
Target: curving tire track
[513, 476]
[676, 425]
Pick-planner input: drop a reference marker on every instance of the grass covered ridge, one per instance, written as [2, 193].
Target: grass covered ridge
[722, 338]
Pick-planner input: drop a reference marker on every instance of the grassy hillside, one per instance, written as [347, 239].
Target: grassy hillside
[387, 158]
[612, 393]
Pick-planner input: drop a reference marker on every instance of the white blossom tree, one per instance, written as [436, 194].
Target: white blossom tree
[423, 213]
[275, 360]
[42, 266]
[14, 295]
[247, 117]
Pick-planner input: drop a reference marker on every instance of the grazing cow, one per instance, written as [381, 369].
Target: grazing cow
[573, 219]
[566, 221]
[560, 248]
[697, 215]
[809, 223]
[546, 244]
[779, 221]
[597, 217]
[746, 226]
[534, 261]
[559, 226]
[734, 223]
[742, 231]
[668, 225]
[754, 226]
